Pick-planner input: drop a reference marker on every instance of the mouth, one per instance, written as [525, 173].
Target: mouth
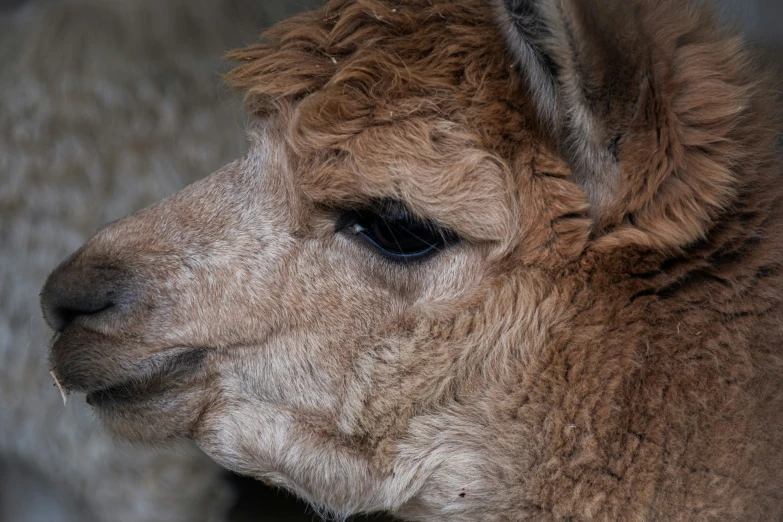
[108, 379]
[161, 375]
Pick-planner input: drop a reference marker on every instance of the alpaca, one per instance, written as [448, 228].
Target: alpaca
[507, 260]
[106, 107]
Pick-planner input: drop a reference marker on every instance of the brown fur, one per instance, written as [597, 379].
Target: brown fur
[603, 344]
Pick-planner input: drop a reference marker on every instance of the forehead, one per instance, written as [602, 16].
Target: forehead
[414, 100]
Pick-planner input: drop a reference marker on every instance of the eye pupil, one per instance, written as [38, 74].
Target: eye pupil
[403, 236]
[395, 232]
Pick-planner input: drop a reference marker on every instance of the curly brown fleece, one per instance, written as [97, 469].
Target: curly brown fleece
[663, 396]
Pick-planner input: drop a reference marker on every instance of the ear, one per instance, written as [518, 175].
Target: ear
[584, 63]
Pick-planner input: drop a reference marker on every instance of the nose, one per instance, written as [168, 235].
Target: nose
[79, 288]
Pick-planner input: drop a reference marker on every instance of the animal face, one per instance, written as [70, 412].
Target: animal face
[440, 214]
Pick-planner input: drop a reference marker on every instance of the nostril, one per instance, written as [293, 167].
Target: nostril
[66, 315]
[77, 289]
[62, 309]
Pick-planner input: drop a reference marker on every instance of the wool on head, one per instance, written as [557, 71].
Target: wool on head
[692, 127]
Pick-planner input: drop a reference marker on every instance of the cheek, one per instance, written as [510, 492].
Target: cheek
[333, 303]
[232, 295]
[325, 311]
[454, 276]
[295, 370]
[337, 289]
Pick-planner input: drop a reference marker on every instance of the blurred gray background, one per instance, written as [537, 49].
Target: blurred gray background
[762, 18]
[762, 21]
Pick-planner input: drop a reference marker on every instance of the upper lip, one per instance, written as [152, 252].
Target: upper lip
[110, 378]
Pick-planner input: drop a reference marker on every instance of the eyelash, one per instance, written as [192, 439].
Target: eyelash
[395, 232]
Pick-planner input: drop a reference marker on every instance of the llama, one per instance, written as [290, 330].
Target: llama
[509, 260]
[106, 107]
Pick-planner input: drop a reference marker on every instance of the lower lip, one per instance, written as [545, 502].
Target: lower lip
[163, 379]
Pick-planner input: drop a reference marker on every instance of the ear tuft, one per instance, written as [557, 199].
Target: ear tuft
[527, 31]
[581, 62]
[660, 112]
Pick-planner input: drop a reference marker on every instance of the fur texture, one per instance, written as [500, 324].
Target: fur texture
[604, 342]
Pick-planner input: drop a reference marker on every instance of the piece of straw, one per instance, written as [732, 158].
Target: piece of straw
[63, 393]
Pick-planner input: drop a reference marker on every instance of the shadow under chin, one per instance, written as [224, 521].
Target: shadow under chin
[257, 501]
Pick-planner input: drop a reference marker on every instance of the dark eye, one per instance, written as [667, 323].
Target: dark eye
[395, 232]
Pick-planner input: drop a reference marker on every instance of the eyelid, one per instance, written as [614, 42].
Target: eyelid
[392, 210]
[397, 211]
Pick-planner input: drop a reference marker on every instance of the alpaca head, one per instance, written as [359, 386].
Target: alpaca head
[366, 307]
